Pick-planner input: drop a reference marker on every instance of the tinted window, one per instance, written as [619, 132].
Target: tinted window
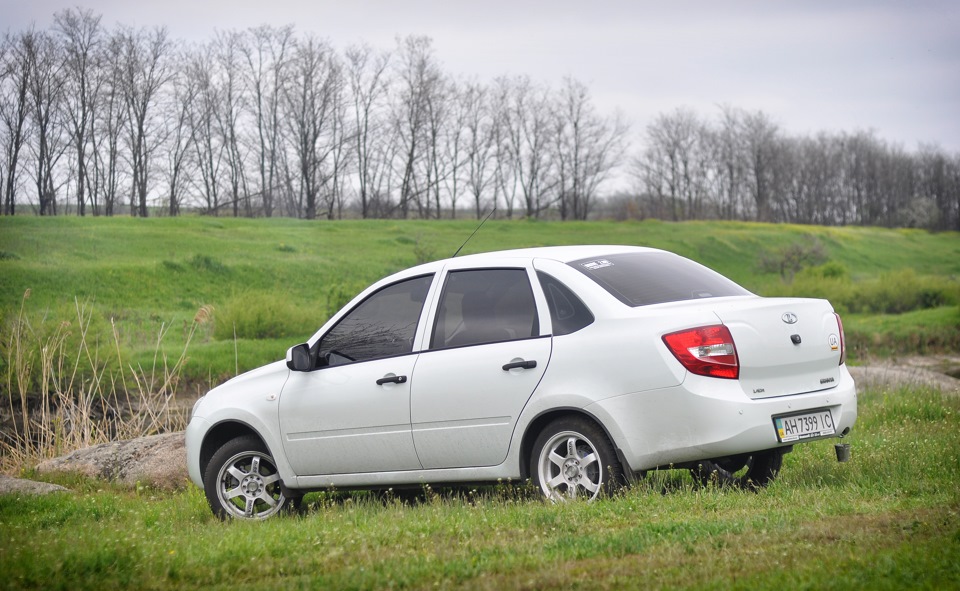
[485, 306]
[567, 313]
[382, 325]
[641, 279]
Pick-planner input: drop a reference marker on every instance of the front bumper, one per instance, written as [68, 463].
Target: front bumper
[196, 429]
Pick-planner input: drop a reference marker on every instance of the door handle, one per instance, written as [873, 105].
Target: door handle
[520, 365]
[392, 380]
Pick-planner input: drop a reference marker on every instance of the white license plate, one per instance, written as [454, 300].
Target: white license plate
[812, 424]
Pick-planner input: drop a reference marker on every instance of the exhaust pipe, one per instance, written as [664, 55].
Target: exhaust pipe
[843, 452]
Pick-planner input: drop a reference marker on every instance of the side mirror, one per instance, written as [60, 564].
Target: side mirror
[298, 358]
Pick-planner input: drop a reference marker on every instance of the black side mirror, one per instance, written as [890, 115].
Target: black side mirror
[299, 358]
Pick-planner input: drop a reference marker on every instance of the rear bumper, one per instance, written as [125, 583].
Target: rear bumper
[705, 418]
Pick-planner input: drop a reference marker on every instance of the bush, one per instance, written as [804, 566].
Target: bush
[261, 315]
[790, 259]
[894, 292]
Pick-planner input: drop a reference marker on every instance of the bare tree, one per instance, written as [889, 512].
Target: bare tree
[178, 134]
[227, 111]
[310, 100]
[46, 90]
[14, 108]
[418, 77]
[587, 147]
[267, 55]
[477, 125]
[145, 71]
[81, 34]
[207, 143]
[759, 136]
[526, 120]
[366, 73]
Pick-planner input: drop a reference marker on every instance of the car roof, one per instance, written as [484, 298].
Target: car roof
[563, 254]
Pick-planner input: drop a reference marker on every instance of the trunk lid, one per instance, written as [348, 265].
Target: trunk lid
[785, 345]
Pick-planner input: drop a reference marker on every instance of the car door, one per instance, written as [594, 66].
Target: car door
[352, 413]
[483, 361]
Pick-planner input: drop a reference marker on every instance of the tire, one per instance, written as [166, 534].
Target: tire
[241, 481]
[748, 471]
[572, 458]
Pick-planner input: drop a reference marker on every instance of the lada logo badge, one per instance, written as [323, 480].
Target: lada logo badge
[789, 318]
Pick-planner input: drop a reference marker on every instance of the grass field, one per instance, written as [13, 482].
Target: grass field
[270, 283]
[116, 300]
[888, 519]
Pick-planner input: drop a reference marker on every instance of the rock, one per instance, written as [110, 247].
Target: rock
[10, 485]
[158, 460]
[896, 377]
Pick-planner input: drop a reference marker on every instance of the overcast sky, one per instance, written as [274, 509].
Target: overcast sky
[893, 67]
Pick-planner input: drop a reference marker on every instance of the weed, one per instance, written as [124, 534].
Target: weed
[64, 398]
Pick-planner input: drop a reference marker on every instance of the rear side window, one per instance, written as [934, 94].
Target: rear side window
[567, 313]
[646, 278]
[485, 306]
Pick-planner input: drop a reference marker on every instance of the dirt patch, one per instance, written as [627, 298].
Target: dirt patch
[934, 371]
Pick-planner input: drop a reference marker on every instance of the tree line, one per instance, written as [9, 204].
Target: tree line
[269, 122]
[741, 166]
[265, 122]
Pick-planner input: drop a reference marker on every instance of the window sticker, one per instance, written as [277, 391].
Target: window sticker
[598, 264]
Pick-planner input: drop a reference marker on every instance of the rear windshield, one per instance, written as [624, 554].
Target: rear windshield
[645, 278]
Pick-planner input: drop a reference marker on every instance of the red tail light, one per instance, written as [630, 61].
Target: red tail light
[705, 351]
[843, 343]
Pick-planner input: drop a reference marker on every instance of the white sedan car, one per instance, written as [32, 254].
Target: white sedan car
[578, 367]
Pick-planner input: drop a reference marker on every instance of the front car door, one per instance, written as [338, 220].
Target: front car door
[482, 363]
[352, 413]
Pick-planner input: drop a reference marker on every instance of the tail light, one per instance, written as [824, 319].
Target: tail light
[843, 343]
[705, 351]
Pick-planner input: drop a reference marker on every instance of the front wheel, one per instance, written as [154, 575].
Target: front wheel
[242, 481]
[573, 459]
[750, 471]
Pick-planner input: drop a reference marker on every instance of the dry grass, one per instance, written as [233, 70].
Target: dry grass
[64, 392]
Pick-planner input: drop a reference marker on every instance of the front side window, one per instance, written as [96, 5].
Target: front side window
[383, 325]
[643, 279]
[485, 306]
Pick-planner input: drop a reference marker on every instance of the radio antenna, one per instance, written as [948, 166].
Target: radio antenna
[474, 232]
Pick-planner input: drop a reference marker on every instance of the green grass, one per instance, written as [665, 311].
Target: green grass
[272, 282]
[888, 519]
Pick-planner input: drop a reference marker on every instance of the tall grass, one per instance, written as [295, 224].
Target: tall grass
[65, 391]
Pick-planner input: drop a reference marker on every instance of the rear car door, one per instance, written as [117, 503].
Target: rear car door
[484, 359]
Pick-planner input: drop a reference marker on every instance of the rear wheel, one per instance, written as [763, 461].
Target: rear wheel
[242, 481]
[751, 471]
[573, 459]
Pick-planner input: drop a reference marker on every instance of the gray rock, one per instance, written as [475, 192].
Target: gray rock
[10, 486]
[158, 460]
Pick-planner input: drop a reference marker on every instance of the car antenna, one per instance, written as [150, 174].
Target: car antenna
[474, 232]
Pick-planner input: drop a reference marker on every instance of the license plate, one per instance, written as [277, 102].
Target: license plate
[804, 426]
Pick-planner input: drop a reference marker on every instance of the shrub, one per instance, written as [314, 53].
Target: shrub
[790, 259]
[202, 262]
[895, 292]
[261, 315]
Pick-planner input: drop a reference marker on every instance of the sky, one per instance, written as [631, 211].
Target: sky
[837, 66]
